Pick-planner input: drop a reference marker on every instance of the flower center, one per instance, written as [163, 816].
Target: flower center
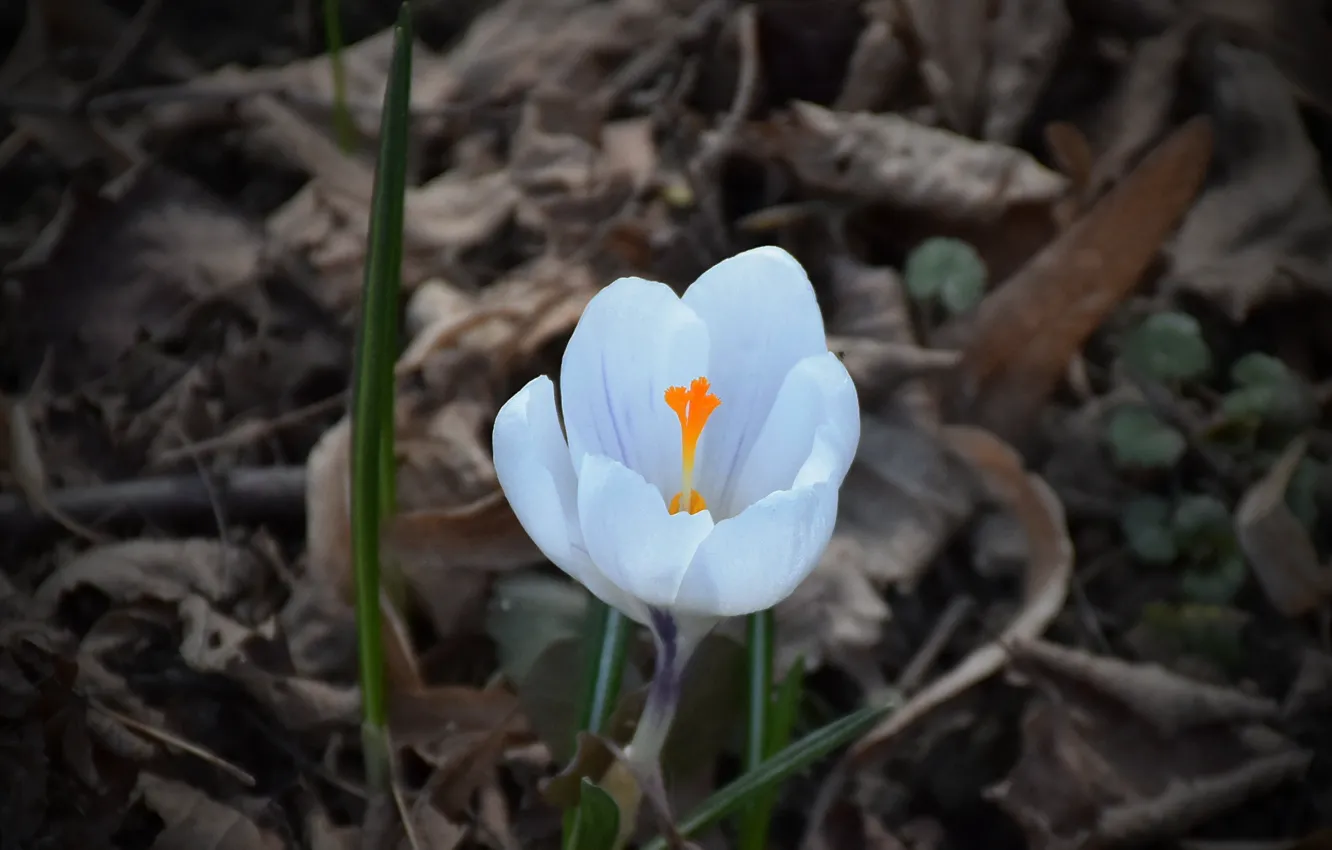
[693, 405]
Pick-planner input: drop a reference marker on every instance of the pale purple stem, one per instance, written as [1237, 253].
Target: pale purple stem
[675, 646]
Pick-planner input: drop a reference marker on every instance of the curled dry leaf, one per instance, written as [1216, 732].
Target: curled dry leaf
[890, 159]
[1276, 543]
[163, 570]
[1268, 173]
[1049, 570]
[1017, 344]
[1118, 754]
[1025, 41]
[192, 819]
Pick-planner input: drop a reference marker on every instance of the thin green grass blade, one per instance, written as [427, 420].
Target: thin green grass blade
[776, 770]
[781, 723]
[608, 633]
[759, 639]
[372, 391]
[342, 122]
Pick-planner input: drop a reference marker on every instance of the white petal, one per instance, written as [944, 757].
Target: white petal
[633, 341]
[762, 319]
[631, 536]
[755, 560]
[817, 393]
[533, 467]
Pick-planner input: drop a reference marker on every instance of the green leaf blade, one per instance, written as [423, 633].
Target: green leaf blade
[598, 821]
[372, 395]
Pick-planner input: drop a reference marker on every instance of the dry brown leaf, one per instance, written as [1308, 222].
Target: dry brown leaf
[67, 776]
[1264, 229]
[952, 39]
[128, 266]
[1026, 39]
[1139, 111]
[1295, 34]
[875, 337]
[164, 570]
[1276, 543]
[878, 64]
[888, 158]
[569, 187]
[422, 717]
[432, 830]
[1121, 754]
[902, 498]
[195, 821]
[307, 84]
[1018, 342]
[517, 44]
[1049, 571]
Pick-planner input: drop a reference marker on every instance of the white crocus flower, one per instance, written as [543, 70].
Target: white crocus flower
[707, 438]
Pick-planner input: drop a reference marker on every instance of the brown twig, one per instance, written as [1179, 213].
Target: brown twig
[254, 495]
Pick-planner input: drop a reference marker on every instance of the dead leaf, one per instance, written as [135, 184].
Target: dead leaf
[1267, 171]
[1293, 33]
[422, 717]
[1017, 343]
[517, 44]
[164, 570]
[195, 821]
[126, 268]
[878, 64]
[1277, 545]
[1026, 39]
[952, 39]
[890, 159]
[67, 776]
[1121, 754]
[1139, 111]
[1049, 571]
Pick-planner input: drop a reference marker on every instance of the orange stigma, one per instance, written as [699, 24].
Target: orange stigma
[693, 405]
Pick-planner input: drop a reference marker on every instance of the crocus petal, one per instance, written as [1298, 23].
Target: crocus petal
[633, 341]
[817, 393]
[630, 535]
[533, 467]
[753, 561]
[762, 318]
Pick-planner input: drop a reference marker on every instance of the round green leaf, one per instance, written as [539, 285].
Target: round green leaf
[1202, 521]
[1167, 347]
[1138, 439]
[1215, 583]
[1146, 525]
[1266, 390]
[947, 269]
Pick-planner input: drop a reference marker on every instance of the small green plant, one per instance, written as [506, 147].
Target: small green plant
[946, 270]
[1197, 533]
[1138, 439]
[1167, 347]
[1266, 391]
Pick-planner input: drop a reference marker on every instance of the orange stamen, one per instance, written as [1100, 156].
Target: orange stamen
[693, 405]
